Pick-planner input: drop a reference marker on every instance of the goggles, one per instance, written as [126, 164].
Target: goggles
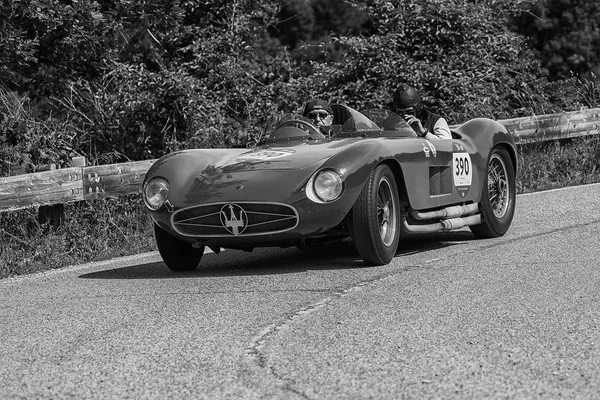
[408, 110]
[318, 114]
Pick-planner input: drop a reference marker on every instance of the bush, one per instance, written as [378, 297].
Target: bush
[460, 55]
[564, 35]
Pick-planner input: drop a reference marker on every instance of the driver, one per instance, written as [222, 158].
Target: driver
[319, 111]
[426, 124]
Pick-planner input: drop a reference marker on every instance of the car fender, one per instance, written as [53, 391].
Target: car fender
[356, 163]
[487, 134]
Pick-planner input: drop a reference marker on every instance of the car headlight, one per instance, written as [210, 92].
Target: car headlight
[155, 193]
[325, 186]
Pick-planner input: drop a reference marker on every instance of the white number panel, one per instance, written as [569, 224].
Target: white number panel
[462, 169]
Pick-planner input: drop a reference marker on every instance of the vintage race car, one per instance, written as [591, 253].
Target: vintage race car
[368, 178]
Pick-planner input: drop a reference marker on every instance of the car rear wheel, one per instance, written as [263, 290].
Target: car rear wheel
[178, 256]
[497, 204]
[375, 227]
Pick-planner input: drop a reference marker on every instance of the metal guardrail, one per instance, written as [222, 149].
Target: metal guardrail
[67, 185]
[554, 126]
[84, 183]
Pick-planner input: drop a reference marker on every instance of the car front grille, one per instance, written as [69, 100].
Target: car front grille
[234, 219]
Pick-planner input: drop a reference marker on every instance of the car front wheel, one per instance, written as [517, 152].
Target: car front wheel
[497, 204]
[375, 227]
[178, 256]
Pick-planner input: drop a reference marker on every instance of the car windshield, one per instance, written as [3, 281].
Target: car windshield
[389, 122]
[347, 122]
[289, 126]
[376, 122]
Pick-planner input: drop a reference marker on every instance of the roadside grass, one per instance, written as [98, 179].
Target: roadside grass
[104, 229]
[93, 231]
[559, 163]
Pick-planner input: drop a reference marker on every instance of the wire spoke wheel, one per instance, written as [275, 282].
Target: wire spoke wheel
[498, 188]
[386, 212]
[375, 226]
[497, 204]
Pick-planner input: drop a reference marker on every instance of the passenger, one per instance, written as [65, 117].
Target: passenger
[319, 111]
[426, 124]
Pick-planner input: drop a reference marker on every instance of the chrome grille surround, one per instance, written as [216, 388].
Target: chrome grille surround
[234, 219]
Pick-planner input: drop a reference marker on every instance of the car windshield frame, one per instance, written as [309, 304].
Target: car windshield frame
[372, 122]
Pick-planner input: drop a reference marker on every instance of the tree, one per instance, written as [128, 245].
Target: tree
[564, 35]
[460, 54]
[46, 42]
[134, 79]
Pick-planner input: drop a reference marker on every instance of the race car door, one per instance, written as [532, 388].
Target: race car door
[450, 173]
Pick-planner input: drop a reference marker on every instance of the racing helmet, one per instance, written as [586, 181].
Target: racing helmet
[406, 97]
[319, 111]
[317, 104]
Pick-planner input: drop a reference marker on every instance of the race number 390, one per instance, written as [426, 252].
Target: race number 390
[462, 169]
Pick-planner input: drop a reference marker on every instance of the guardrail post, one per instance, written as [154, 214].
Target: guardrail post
[79, 161]
[53, 214]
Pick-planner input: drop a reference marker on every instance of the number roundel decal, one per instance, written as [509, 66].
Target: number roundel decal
[462, 172]
[264, 155]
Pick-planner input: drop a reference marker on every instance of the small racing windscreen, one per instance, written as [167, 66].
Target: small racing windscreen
[287, 127]
[389, 121]
[370, 122]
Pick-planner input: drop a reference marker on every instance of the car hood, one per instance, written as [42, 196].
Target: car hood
[263, 173]
[290, 157]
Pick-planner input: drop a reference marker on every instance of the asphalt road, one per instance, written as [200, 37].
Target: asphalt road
[450, 317]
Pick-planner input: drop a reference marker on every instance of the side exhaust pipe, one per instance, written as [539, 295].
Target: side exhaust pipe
[446, 213]
[455, 217]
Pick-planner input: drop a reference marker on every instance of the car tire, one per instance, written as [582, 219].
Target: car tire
[497, 205]
[178, 256]
[375, 226]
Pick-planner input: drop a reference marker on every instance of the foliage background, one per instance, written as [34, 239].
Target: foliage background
[120, 80]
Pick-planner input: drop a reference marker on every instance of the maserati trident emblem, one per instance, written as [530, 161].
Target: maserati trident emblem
[233, 219]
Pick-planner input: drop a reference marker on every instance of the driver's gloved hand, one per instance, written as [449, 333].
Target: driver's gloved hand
[416, 125]
[326, 130]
